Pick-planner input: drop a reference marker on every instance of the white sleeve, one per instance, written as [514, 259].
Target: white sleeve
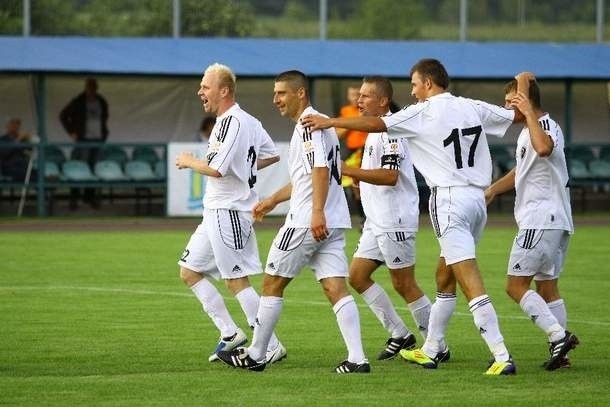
[267, 147]
[406, 122]
[495, 119]
[223, 146]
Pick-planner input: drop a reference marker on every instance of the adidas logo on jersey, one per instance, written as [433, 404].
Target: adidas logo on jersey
[236, 269]
[396, 260]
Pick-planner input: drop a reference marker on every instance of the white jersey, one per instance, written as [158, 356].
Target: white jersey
[237, 141]
[448, 138]
[542, 197]
[389, 208]
[309, 149]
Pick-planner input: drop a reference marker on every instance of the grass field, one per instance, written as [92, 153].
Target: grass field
[101, 318]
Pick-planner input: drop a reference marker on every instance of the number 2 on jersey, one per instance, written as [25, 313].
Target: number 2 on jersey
[252, 161]
[454, 138]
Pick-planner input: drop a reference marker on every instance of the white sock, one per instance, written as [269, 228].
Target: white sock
[558, 308]
[348, 320]
[420, 310]
[486, 320]
[248, 300]
[379, 302]
[534, 306]
[215, 307]
[440, 315]
[269, 310]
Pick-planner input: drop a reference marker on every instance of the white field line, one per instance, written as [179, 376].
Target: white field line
[188, 294]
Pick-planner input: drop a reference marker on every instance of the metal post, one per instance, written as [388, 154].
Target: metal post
[463, 19]
[26, 18]
[568, 112]
[521, 13]
[40, 100]
[323, 19]
[176, 19]
[599, 29]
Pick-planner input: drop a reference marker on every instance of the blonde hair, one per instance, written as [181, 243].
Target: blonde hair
[225, 75]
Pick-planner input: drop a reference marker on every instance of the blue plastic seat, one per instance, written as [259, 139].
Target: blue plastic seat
[51, 171]
[139, 171]
[578, 169]
[54, 154]
[160, 169]
[600, 169]
[108, 170]
[145, 153]
[113, 153]
[76, 170]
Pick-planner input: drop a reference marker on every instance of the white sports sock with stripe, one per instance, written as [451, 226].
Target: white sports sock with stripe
[558, 308]
[248, 300]
[348, 320]
[269, 310]
[537, 309]
[440, 315]
[486, 321]
[215, 307]
[420, 310]
[379, 302]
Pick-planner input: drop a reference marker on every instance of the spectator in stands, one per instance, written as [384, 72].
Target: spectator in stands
[205, 129]
[14, 161]
[85, 120]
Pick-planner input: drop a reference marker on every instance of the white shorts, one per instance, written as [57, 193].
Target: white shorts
[223, 246]
[458, 216]
[539, 253]
[295, 248]
[395, 249]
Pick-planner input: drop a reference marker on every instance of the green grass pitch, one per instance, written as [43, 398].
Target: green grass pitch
[101, 318]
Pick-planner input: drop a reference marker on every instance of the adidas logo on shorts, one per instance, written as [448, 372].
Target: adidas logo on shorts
[236, 269]
[397, 260]
[271, 266]
[517, 267]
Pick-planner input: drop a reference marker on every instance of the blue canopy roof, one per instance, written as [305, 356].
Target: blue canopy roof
[332, 58]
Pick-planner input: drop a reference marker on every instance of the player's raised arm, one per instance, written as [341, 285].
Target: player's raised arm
[361, 123]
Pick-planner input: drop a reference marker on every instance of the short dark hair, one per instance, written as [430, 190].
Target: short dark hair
[534, 92]
[382, 84]
[433, 69]
[296, 79]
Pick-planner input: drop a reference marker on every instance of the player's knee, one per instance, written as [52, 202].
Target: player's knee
[189, 277]
[359, 283]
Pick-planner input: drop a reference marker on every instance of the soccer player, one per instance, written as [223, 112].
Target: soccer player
[447, 138]
[544, 217]
[312, 235]
[224, 244]
[389, 195]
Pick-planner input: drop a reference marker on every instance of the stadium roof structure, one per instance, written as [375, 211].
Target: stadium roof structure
[330, 58]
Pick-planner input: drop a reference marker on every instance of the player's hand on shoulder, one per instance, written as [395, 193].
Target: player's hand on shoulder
[316, 122]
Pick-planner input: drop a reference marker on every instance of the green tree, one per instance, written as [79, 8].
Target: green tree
[10, 17]
[216, 18]
[387, 19]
